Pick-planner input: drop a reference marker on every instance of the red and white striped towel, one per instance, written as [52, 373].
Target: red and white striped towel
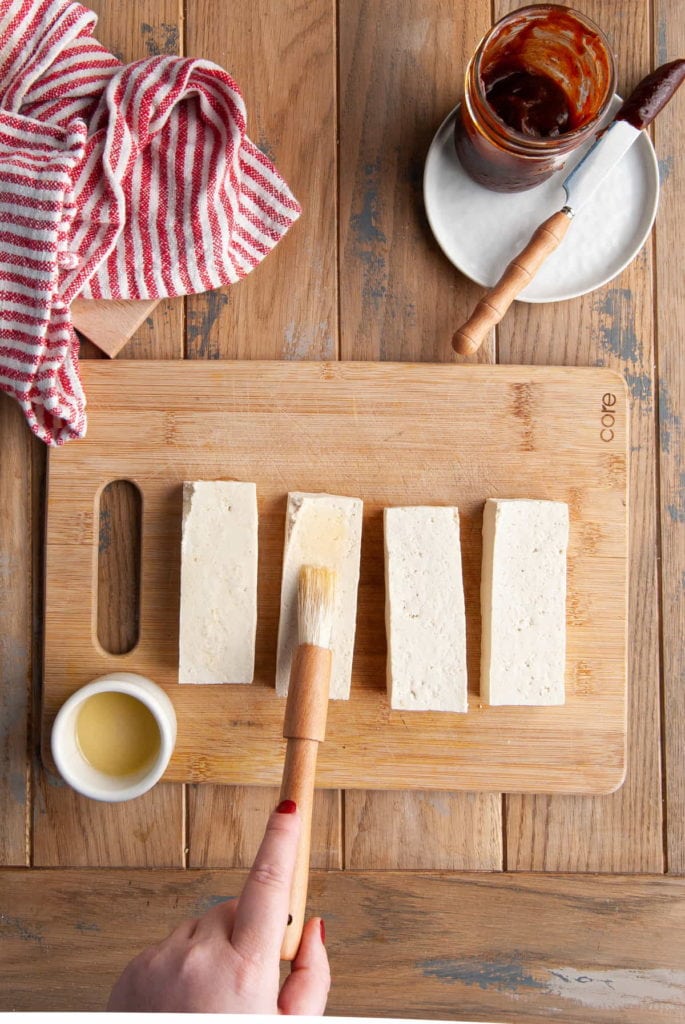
[116, 181]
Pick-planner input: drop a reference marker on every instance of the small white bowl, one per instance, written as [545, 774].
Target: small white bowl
[79, 773]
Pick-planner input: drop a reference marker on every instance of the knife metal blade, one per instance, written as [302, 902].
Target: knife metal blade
[634, 115]
[586, 177]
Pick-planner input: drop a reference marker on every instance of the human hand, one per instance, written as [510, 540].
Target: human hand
[228, 960]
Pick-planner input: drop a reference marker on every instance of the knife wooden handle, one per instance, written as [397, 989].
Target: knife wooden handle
[518, 274]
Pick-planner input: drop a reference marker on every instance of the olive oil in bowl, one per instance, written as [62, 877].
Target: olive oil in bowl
[113, 738]
[116, 733]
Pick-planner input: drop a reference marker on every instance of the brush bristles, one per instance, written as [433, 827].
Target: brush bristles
[315, 605]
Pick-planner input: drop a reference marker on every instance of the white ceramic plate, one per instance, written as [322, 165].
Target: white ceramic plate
[479, 231]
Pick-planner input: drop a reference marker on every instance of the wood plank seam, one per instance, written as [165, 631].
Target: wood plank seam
[505, 860]
[38, 482]
[341, 825]
[342, 851]
[659, 559]
[337, 226]
[653, 242]
[668, 29]
[185, 825]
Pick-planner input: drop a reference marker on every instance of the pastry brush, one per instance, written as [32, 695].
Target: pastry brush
[305, 724]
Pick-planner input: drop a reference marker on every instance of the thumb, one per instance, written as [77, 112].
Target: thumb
[306, 988]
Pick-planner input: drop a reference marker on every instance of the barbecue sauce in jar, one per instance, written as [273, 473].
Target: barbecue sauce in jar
[537, 87]
[529, 102]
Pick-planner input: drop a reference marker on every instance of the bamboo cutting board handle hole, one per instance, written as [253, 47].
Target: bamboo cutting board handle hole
[119, 519]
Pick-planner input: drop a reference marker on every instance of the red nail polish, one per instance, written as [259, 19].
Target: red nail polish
[323, 931]
[287, 807]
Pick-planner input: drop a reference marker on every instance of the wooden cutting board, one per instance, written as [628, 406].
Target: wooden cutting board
[392, 434]
[110, 323]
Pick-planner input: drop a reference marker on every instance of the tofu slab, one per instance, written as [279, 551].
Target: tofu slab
[218, 620]
[523, 602]
[424, 610]
[324, 530]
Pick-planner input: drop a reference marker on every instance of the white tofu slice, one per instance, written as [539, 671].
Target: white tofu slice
[523, 602]
[218, 619]
[424, 610]
[324, 530]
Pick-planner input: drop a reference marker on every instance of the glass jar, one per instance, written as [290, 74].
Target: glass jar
[536, 88]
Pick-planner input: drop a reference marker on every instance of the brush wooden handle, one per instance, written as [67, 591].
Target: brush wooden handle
[519, 273]
[304, 728]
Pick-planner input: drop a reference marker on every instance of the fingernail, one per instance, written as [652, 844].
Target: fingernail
[323, 931]
[287, 807]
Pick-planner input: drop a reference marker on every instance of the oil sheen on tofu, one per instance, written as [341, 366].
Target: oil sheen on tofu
[322, 530]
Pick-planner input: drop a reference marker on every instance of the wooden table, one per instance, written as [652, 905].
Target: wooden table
[516, 907]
